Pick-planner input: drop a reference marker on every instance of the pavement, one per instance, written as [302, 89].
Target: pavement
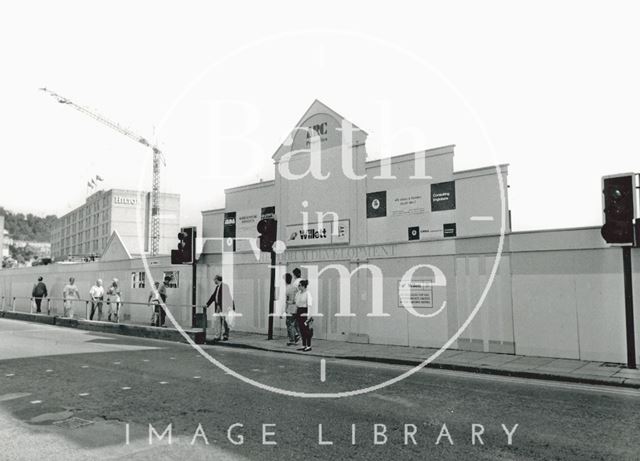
[578, 371]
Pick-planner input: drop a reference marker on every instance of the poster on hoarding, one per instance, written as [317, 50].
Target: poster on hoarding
[377, 204]
[443, 196]
[407, 201]
[417, 292]
[318, 234]
[243, 224]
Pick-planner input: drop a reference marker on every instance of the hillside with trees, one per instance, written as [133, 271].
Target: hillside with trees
[28, 227]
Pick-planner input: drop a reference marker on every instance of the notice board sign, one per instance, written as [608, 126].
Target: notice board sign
[443, 196]
[418, 292]
[407, 201]
[327, 233]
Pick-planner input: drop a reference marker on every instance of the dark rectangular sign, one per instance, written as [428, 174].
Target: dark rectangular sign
[377, 204]
[443, 196]
[229, 231]
[268, 212]
[414, 233]
[449, 229]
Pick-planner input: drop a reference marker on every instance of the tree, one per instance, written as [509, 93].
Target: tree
[29, 227]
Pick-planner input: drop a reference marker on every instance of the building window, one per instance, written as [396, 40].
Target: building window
[173, 279]
[137, 279]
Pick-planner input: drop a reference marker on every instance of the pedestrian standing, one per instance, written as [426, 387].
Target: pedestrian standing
[154, 301]
[96, 293]
[115, 301]
[39, 291]
[163, 296]
[70, 295]
[222, 301]
[291, 310]
[305, 321]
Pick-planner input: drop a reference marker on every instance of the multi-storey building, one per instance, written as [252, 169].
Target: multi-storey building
[84, 231]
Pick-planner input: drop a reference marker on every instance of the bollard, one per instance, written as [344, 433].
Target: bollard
[13, 304]
[48, 306]
[204, 326]
[31, 305]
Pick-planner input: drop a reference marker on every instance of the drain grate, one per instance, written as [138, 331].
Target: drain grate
[73, 423]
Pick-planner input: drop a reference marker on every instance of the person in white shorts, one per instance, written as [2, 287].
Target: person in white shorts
[70, 294]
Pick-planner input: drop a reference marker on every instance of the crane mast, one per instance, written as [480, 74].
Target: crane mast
[157, 158]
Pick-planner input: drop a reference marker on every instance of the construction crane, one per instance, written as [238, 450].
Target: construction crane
[157, 158]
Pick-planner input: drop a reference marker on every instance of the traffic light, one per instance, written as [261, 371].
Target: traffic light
[618, 197]
[185, 254]
[268, 230]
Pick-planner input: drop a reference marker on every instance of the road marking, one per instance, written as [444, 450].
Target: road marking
[84, 366]
[117, 363]
[125, 388]
[17, 395]
[35, 402]
[83, 394]
[9, 375]
[280, 366]
[323, 370]
[255, 369]
[48, 371]
[196, 377]
[172, 358]
[481, 218]
[162, 382]
[145, 360]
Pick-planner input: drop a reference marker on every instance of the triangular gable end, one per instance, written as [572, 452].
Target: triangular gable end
[315, 115]
[115, 250]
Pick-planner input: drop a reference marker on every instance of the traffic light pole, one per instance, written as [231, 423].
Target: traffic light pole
[628, 307]
[272, 293]
[193, 294]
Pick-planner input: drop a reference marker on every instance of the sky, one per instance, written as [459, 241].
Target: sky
[551, 88]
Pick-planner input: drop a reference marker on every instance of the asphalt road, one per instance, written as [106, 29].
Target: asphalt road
[72, 394]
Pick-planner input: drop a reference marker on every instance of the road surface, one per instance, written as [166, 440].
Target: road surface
[71, 394]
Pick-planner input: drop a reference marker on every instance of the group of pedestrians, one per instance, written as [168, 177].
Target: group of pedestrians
[113, 295]
[71, 296]
[298, 302]
[299, 321]
[98, 296]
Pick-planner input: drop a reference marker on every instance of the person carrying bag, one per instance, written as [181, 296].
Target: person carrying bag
[224, 309]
